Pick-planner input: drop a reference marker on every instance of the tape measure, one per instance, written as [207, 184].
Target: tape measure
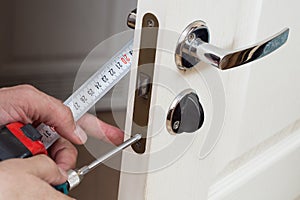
[93, 90]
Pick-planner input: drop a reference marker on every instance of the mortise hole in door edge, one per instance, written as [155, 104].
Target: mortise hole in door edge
[144, 80]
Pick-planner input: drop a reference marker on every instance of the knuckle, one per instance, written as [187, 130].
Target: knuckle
[7, 165]
[46, 160]
[29, 91]
[27, 87]
[48, 163]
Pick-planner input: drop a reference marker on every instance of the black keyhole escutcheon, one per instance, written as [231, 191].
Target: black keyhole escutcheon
[186, 114]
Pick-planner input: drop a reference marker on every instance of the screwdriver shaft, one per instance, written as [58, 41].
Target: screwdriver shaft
[84, 170]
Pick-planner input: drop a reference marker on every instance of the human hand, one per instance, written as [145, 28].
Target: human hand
[31, 178]
[26, 104]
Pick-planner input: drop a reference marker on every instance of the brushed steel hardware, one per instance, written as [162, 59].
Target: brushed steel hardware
[193, 46]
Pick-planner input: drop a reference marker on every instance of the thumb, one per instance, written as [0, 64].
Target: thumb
[45, 168]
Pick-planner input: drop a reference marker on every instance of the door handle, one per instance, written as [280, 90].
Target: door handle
[193, 46]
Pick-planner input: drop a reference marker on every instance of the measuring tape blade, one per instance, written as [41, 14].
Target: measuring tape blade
[93, 89]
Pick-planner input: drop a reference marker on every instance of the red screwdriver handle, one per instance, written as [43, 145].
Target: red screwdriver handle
[20, 141]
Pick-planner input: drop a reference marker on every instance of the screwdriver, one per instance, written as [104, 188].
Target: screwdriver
[76, 176]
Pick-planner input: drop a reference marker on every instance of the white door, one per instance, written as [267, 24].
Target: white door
[248, 144]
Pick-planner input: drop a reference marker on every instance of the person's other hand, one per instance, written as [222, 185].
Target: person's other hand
[31, 178]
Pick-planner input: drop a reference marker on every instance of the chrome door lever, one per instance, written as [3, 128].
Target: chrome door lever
[193, 47]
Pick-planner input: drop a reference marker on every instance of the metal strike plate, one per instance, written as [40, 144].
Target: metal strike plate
[144, 80]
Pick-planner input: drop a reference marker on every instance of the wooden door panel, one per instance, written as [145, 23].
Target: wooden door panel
[169, 82]
[251, 95]
[268, 116]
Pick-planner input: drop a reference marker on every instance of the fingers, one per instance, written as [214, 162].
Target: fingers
[64, 154]
[101, 130]
[40, 166]
[38, 106]
[31, 105]
[46, 191]
[17, 183]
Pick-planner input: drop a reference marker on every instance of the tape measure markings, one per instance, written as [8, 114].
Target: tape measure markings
[93, 89]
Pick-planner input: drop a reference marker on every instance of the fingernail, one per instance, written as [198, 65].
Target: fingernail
[81, 134]
[63, 172]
